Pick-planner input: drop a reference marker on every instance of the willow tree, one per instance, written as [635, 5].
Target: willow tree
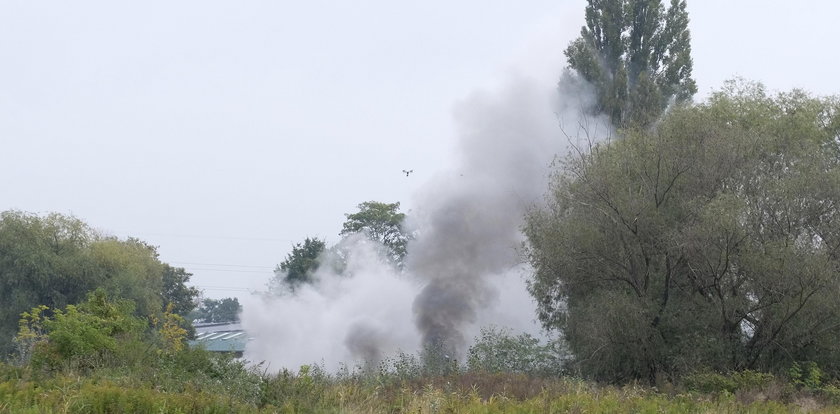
[637, 55]
[711, 241]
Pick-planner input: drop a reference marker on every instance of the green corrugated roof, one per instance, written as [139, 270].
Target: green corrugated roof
[221, 341]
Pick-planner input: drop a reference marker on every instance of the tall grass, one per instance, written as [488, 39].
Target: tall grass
[200, 383]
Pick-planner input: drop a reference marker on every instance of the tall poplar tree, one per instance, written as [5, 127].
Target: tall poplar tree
[637, 55]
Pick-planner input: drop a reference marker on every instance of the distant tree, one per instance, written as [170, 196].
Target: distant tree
[638, 57]
[299, 265]
[709, 242]
[381, 222]
[176, 292]
[217, 310]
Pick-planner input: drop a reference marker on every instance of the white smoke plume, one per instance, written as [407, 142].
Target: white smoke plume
[463, 270]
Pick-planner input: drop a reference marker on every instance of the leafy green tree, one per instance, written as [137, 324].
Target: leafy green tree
[708, 242]
[217, 311]
[383, 223]
[637, 55]
[299, 265]
[176, 292]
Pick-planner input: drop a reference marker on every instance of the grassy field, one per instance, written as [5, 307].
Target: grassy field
[234, 388]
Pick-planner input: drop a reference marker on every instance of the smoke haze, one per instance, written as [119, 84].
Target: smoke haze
[338, 318]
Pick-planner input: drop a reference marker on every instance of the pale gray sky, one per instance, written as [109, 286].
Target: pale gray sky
[225, 131]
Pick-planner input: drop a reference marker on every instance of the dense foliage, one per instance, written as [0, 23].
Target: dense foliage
[94, 331]
[56, 260]
[708, 242]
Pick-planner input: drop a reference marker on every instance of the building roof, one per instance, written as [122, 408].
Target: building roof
[221, 340]
[217, 326]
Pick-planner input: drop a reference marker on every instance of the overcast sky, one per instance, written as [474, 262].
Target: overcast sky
[225, 131]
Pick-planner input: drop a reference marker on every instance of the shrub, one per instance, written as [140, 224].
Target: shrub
[497, 350]
[295, 392]
[81, 336]
[714, 383]
[808, 375]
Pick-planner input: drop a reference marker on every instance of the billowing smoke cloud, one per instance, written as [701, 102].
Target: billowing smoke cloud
[470, 221]
[339, 319]
[463, 270]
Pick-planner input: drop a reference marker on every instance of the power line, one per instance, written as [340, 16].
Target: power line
[231, 288]
[222, 264]
[205, 236]
[262, 272]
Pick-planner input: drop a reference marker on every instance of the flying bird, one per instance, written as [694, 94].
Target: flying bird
[407, 172]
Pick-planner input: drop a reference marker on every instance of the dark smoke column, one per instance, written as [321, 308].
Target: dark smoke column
[469, 221]
[456, 257]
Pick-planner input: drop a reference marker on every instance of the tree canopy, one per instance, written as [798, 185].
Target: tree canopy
[176, 291]
[383, 223]
[299, 264]
[637, 55]
[217, 310]
[708, 242]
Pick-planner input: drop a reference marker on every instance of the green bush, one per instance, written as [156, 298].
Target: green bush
[497, 350]
[808, 375]
[80, 336]
[714, 383]
[293, 392]
[709, 382]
